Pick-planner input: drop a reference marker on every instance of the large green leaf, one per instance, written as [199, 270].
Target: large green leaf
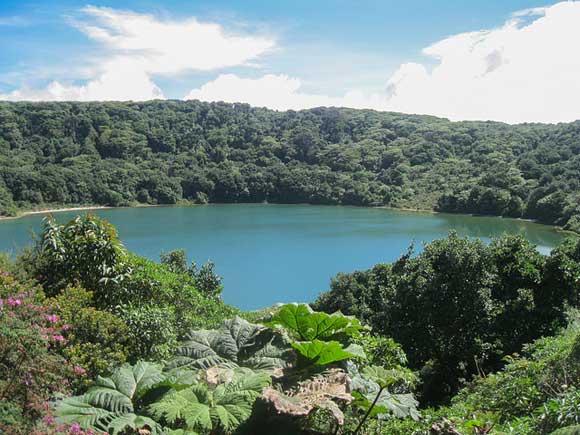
[321, 353]
[190, 405]
[205, 409]
[109, 405]
[200, 350]
[120, 424]
[79, 409]
[398, 405]
[382, 376]
[133, 381]
[304, 324]
[236, 343]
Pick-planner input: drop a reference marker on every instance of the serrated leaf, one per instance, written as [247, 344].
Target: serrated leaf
[383, 377]
[121, 423]
[356, 350]
[304, 324]
[109, 404]
[367, 389]
[80, 410]
[133, 381]
[400, 405]
[226, 406]
[237, 342]
[321, 353]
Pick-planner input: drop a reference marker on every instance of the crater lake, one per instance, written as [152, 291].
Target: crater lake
[269, 253]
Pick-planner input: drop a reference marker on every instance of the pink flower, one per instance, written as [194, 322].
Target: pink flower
[75, 428]
[48, 420]
[14, 302]
[79, 370]
[65, 327]
[59, 338]
[53, 318]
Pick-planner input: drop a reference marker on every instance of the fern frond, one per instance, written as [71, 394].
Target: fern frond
[190, 405]
[109, 399]
[79, 409]
[123, 422]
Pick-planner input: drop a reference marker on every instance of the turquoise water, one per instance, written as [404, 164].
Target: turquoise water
[282, 253]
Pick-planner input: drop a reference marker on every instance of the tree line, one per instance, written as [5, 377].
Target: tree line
[166, 152]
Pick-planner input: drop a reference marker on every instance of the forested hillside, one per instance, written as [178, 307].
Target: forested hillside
[163, 152]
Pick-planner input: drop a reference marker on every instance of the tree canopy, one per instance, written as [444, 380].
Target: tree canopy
[164, 152]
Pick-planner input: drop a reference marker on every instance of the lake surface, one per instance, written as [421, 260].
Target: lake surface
[282, 253]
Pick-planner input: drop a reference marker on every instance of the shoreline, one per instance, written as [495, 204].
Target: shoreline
[383, 207]
[55, 210]
[25, 213]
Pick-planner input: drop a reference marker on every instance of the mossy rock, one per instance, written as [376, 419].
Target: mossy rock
[570, 430]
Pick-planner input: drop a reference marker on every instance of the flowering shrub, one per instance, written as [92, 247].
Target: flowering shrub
[49, 426]
[31, 370]
[97, 340]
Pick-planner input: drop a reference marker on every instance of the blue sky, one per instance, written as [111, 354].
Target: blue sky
[294, 54]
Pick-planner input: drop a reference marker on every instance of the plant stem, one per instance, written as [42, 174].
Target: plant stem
[368, 411]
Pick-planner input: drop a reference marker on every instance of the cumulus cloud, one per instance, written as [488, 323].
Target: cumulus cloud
[168, 47]
[526, 70]
[522, 71]
[139, 47]
[278, 92]
[120, 81]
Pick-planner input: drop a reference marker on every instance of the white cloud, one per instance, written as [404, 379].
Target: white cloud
[520, 72]
[168, 47]
[278, 92]
[120, 81]
[139, 47]
[523, 71]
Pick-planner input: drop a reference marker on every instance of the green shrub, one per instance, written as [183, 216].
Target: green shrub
[97, 341]
[571, 430]
[561, 411]
[460, 306]
[136, 307]
[158, 285]
[85, 251]
[206, 280]
[151, 332]
[573, 224]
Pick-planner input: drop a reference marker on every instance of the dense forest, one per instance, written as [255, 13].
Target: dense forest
[165, 152]
[462, 338]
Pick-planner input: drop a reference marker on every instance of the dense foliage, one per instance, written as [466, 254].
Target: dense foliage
[163, 152]
[460, 306]
[155, 302]
[113, 343]
[81, 306]
[31, 369]
[537, 393]
[246, 378]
